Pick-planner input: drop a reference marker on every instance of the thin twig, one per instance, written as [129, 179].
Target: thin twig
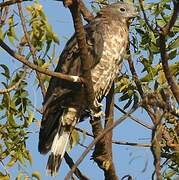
[104, 132]
[11, 2]
[15, 86]
[87, 15]
[110, 172]
[134, 118]
[164, 55]
[156, 146]
[164, 58]
[85, 58]
[32, 49]
[145, 16]
[77, 172]
[116, 141]
[139, 87]
[166, 29]
[131, 144]
[21, 58]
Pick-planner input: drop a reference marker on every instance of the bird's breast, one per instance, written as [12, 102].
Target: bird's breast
[107, 69]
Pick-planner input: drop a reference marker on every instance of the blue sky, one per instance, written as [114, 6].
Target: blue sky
[128, 160]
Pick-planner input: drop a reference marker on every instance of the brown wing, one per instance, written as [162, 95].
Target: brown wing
[61, 93]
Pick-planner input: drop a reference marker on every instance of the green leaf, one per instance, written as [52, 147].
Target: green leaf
[147, 78]
[55, 38]
[21, 158]
[128, 103]
[29, 158]
[173, 54]
[11, 162]
[6, 71]
[161, 22]
[20, 175]
[161, 79]
[174, 68]
[12, 121]
[36, 174]
[11, 39]
[170, 174]
[4, 177]
[74, 139]
[124, 97]
[174, 44]
[29, 120]
[136, 98]
[140, 31]
[48, 42]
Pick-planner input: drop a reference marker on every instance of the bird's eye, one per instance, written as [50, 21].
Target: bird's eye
[122, 9]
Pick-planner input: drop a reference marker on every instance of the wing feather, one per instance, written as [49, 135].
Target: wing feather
[62, 93]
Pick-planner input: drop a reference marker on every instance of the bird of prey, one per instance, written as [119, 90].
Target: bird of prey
[65, 102]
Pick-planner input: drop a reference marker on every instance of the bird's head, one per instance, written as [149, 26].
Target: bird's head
[120, 10]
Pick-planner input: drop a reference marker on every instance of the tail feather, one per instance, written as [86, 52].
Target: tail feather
[58, 149]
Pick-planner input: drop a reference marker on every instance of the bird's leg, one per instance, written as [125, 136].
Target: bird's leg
[70, 117]
[98, 113]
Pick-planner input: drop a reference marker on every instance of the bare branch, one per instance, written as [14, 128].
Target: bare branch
[87, 15]
[85, 59]
[145, 16]
[139, 87]
[135, 76]
[67, 3]
[110, 172]
[15, 86]
[100, 136]
[151, 100]
[164, 58]
[166, 29]
[117, 141]
[11, 2]
[32, 49]
[131, 144]
[70, 163]
[22, 59]
[156, 146]
[134, 118]
[164, 55]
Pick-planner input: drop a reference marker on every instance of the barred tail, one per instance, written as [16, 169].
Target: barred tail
[58, 149]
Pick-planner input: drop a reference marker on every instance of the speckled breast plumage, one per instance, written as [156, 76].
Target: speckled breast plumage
[108, 68]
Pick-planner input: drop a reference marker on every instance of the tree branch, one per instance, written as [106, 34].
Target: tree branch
[134, 118]
[109, 172]
[11, 2]
[87, 15]
[102, 154]
[145, 16]
[32, 49]
[164, 58]
[166, 29]
[99, 137]
[85, 59]
[139, 87]
[15, 86]
[164, 55]
[156, 146]
[22, 59]
[70, 163]
[119, 142]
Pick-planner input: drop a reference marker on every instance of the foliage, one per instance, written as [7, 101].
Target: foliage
[145, 44]
[17, 109]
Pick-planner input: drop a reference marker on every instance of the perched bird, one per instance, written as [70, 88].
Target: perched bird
[65, 102]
